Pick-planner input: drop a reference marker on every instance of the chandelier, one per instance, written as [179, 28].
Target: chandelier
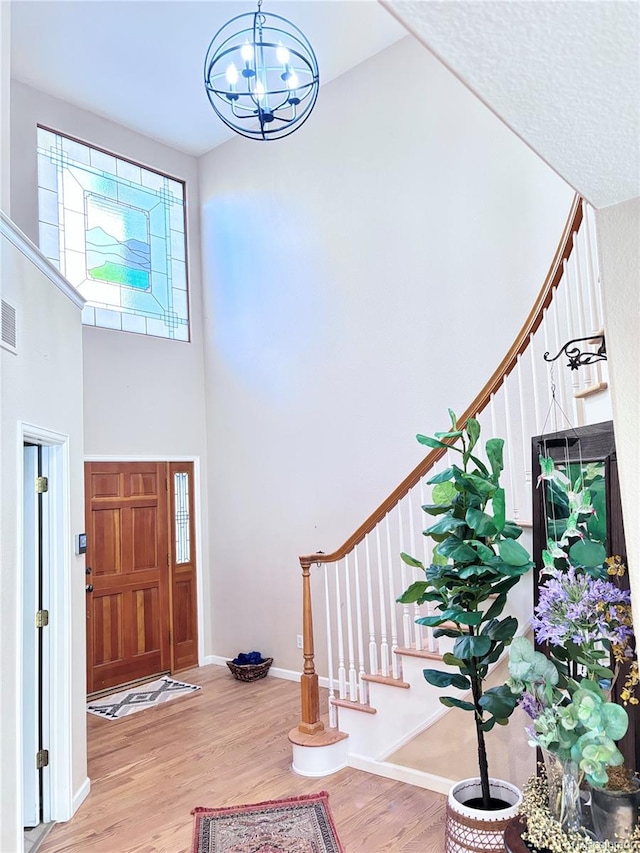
[261, 75]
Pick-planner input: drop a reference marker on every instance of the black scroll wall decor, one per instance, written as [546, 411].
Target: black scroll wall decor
[578, 358]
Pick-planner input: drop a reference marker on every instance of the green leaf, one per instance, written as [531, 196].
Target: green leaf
[463, 617]
[482, 523]
[436, 509]
[443, 493]
[448, 524]
[472, 647]
[511, 530]
[499, 701]
[451, 702]
[446, 679]
[496, 608]
[451, 434]
[502, 631]
[413, 593]
[429, 621]
[473, 431]
[457, 550]
[498, 507]
[512, 553]
[435, 443]
[494, 448]
[411, 561]
[443, 476]
[451, 660]
[454, 420]
[587, 553]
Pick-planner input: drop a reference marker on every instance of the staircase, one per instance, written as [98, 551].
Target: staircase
[369, 650]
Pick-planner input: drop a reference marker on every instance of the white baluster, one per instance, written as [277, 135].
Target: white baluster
[406, 611]
[580, 293]
[417, 629]
[353, 680]
[536, 385]
[373, 647]
[432, 643]
[395, 664]
[510, 451]
[362, 685]
[560, 377]
[384, 642]
[342, 672]
[525, 430]
[577, 403]
[333, 711]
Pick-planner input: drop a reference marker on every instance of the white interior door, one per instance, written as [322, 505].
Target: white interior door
[31, 666]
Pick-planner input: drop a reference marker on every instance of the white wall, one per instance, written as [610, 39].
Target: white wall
[618, 231]
[143, 396]
[41, 385]
[5, 94]
[360, 276]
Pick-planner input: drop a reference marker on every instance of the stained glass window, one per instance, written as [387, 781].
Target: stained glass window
[181, 499]
[116, 232]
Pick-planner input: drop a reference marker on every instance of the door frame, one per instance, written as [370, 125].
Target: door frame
[57, 786]
[197, 520]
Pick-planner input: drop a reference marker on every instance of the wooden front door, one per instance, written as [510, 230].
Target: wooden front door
[128, 589]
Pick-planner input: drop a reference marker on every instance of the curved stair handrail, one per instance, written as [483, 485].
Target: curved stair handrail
[505, 367]
[311, 723]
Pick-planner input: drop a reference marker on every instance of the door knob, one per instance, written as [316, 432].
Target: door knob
[88, 570]
[89, 587]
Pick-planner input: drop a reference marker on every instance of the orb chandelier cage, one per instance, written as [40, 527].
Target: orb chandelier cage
[261, 75]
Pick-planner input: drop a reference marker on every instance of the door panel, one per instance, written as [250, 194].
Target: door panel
[128, 611]
[30, 659]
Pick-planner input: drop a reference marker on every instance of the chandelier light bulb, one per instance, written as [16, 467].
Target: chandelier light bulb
[292, 80]
[232, 74]
[259, 90]
[282, 54]
[246, 51]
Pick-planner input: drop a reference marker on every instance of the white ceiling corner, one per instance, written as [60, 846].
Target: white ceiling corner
[564, 75]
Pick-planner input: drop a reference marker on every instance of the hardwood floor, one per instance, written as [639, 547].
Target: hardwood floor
[227, 744]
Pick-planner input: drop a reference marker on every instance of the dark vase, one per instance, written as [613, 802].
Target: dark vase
[615, 814]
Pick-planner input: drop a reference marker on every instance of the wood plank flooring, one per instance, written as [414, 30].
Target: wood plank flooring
[224, 745]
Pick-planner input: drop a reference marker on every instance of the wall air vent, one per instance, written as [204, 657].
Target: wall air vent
[8, 315]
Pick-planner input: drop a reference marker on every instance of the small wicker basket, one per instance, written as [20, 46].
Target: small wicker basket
[250, 671]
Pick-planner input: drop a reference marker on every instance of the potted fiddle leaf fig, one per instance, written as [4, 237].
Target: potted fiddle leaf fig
[476, 562]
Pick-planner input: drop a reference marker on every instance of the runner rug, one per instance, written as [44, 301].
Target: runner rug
[296, 825]
[135, 699]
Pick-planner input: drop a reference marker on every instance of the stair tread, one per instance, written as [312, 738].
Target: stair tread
[356, 706]
[386, 679]
[326, 737]
[418, 653]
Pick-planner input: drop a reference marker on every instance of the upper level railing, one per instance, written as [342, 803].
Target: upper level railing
[363, 577]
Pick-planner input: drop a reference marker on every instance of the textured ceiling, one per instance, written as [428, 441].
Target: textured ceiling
[563, 74]
[141, 63]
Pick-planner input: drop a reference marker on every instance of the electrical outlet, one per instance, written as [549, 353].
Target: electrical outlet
[299, 641]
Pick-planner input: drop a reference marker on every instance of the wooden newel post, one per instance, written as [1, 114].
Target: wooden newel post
[310, 695]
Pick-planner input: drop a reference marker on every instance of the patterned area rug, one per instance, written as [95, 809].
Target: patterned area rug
[297, 825]
[138, 698]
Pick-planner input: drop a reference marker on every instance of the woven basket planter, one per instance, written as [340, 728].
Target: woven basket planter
[250, 671]
[470, 830]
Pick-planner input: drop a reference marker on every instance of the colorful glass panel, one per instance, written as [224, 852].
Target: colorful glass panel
[116, 232]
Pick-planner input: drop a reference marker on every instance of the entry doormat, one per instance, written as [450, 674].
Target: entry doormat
[135, 699]
[296, 825]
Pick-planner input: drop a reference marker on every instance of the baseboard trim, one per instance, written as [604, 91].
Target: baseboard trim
[81, 795]
[275, 671]
[400, 773]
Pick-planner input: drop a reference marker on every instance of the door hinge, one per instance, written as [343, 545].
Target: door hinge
[42, 618]
[169, 559]
[42, 758]
[170, 638]
[42, 485]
